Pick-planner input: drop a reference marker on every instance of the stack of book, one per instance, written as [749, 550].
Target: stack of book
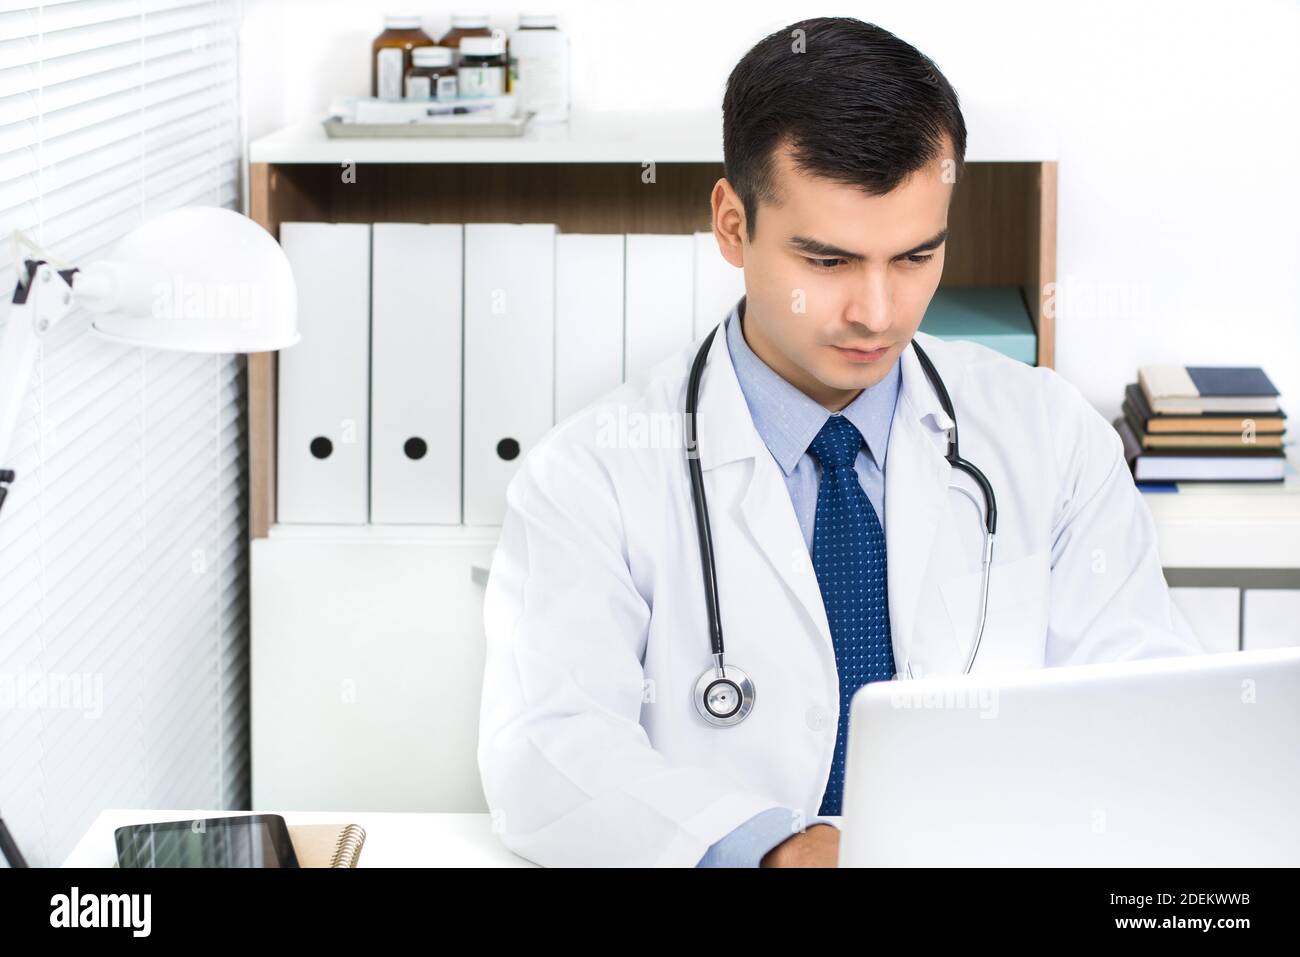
[1201, 423]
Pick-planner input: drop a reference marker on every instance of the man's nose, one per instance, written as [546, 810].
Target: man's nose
[872, 305]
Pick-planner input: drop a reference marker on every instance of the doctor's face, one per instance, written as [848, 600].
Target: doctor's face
[836, 280]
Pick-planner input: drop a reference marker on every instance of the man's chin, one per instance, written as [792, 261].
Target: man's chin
[853, 376]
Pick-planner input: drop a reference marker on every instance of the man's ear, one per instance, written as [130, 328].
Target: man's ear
[728, 223]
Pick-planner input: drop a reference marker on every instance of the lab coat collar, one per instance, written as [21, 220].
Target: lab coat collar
[724, 429]
[916, 392]
[916, 487]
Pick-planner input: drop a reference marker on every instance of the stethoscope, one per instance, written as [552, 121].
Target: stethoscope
[724, 694]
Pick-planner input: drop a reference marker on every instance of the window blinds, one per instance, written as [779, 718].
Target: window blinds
[123, 543]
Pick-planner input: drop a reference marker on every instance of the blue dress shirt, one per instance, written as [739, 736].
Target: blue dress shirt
[788, 421]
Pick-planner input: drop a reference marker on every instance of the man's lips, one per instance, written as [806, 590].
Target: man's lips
[862, 355]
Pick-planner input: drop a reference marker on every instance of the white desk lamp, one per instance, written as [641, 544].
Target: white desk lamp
[195, 279]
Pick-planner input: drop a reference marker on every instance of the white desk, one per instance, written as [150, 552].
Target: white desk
[392, 839]
[1218, 536]
[1215, 525]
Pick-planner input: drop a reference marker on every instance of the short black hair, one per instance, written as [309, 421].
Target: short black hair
[855, 104]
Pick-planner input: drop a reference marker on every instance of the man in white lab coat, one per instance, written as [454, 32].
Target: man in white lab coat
[842, 555]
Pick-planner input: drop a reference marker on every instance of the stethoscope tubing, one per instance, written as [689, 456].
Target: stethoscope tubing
[743, 686]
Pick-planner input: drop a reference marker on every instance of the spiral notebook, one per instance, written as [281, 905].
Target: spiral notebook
[327, 845]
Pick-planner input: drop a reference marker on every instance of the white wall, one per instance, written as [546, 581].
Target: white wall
[1179, 149]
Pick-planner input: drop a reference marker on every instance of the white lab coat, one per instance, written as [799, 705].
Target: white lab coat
[590, 746]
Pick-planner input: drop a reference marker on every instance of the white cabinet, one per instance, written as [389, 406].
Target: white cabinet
[1212, 615]
[367, 665]
[1272, 618]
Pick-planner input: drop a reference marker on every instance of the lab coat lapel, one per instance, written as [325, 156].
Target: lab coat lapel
[727, 435]
[916, 481]
[769, 515]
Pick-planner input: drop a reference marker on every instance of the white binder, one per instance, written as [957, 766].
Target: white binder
[324, 387]
[588, 319]
[415, 413]
[718, 284]
[659, 315]
[509, 356]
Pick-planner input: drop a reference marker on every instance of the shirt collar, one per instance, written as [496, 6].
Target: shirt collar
[788, 420]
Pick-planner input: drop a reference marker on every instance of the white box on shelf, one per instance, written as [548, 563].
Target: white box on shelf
[509, 356]
[415, 442]
[660, 312]
[324, 381]
[588, 319]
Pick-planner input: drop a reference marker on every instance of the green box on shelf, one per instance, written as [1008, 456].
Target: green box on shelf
[993, 316]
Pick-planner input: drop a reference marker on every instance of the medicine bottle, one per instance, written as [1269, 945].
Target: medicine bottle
[464, 25]
[431, 76]
[482, 70]
[390, 54]
[539, 68]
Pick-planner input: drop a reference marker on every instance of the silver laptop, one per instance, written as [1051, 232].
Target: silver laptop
[1190, 761]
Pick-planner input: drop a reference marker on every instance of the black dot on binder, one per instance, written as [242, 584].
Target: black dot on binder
[415, 448]
[321, 447]
[508, 449]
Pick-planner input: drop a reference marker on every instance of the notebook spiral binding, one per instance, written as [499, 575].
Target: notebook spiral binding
[348, 847]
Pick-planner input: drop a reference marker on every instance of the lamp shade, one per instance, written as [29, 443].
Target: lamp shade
[195, 279]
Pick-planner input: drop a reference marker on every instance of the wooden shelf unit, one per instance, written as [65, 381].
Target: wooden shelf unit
[1002, 221]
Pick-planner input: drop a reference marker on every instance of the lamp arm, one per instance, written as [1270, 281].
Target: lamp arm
[9, 847]
[39, 304]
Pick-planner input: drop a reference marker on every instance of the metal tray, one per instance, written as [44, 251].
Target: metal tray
[433, 127]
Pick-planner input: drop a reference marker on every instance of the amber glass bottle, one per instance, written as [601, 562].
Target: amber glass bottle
[464, 25]
[390, 54]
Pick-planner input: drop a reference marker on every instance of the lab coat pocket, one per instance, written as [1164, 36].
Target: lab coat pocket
[1015, 628]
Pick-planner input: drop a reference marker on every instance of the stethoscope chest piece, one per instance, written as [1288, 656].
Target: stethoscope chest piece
[724, 697]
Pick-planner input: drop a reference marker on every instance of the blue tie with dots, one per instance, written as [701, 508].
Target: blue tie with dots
[849, 557]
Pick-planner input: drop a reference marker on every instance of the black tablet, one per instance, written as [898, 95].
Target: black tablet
[254, 840]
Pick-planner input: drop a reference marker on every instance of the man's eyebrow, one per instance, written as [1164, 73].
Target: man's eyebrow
[932, 243]
[815, 247]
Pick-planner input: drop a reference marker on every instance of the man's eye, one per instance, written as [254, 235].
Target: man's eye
[825, 264]
[917, 258]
